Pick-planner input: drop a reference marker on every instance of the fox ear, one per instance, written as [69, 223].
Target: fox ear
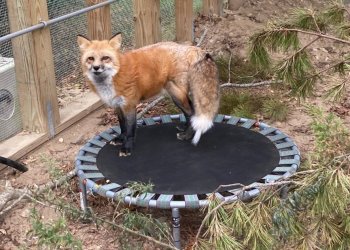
[83, 42]
[116, 41]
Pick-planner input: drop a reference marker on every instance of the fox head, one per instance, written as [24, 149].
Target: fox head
[100, 59]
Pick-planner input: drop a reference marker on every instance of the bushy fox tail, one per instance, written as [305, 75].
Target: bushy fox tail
[204, 86]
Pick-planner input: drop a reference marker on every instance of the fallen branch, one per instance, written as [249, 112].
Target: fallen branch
[202, 37]
[55, 184]
[248, 85]
[149, 106]
[13, 204]
[12, 193]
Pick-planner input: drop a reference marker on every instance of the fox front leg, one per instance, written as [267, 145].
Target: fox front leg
[122, 124]
[129, 124]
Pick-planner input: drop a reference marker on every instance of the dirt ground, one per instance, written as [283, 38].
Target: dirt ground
[225, 35]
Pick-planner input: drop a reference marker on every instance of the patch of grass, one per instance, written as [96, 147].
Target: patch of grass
[53, 236]
[241, 70]
[275, 109]
[241, 104]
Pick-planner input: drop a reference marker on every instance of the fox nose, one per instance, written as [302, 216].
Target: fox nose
[96, 67]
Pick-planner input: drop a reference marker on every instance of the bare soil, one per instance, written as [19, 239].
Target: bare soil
[228, 34]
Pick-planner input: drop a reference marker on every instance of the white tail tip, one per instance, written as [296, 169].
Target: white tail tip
[200, 124]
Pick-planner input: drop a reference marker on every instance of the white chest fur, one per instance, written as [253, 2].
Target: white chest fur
[106, 91]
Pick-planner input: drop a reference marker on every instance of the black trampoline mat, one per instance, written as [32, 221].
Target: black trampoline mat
[226, 154]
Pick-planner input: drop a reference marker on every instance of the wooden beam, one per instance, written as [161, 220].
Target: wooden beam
[99, 21]
[213, 7]
[24, 142]
[34, 67]
[147, 22]
[184, 20]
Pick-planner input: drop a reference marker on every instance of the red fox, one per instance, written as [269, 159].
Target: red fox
[122, 80]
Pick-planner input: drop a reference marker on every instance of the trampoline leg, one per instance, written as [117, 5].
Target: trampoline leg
[83, 196]
[176, 227]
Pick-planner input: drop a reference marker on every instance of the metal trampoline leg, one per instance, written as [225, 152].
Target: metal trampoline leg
[176, 227]
[83, 196]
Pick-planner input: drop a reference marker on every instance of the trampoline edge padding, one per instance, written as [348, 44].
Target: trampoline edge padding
[89, 173]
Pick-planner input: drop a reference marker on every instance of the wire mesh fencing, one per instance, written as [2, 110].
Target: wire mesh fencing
[10, 116]
[5, 48]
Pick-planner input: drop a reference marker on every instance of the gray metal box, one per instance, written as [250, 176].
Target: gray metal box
[10, 116]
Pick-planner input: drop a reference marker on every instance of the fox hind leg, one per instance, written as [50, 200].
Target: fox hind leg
[183, 102]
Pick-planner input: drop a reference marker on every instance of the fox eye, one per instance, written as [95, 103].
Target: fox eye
[105, 58]
[90, 58]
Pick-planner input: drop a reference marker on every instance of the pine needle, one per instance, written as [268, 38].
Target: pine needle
[337, 92]
[335, 14]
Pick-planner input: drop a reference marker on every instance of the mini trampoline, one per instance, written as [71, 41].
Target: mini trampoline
[235, 150]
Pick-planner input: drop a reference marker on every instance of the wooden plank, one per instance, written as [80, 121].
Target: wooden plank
[78, 109]
[21, 144]
[34, 67]
[184, 20]
[213, 7]
[24, 142]
[147, 22]
[99, 21]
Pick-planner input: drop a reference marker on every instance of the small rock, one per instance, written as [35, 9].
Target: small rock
[60, 140]
[25, 213]
[3, 231]
[231, 34]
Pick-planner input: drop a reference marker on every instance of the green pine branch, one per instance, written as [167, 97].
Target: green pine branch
[298, 70]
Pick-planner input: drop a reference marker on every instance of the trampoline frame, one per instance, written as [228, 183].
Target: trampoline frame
[89, 174]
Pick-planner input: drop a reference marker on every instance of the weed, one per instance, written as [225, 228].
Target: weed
[140, 187]
[53, 236]
[145, 224]
[275, 109]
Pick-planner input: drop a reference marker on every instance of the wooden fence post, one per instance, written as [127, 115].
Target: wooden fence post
[99, 21]
[184, 20]
[211, 7]
[147, 22]
[34, 66]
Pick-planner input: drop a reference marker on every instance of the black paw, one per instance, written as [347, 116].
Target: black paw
[123, 152]
[119, 139]
[182, 127]
[186, 135]
[127, 147]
